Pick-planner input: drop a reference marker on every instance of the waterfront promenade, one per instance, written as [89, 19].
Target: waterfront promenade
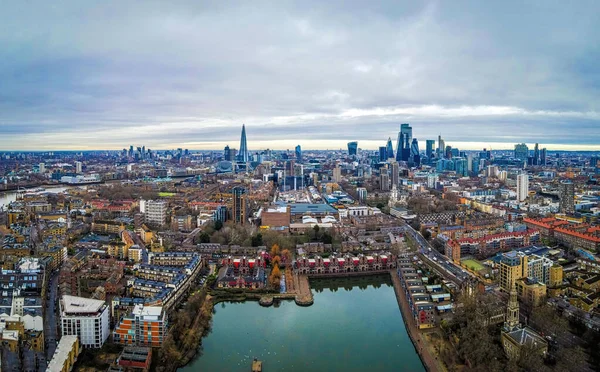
[417, 336]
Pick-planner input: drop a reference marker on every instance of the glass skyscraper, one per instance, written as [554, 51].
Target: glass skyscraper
[390, 149]
[298, 153]
[352, 148]
[243, 153]
[404, 142]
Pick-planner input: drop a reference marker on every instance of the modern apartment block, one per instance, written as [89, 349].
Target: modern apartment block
[145, 326]
[86, 318]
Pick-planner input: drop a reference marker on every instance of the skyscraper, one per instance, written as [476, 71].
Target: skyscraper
[521, 151]
[243, 153]
[395, 173]
[429, 145]
[352, 148]
[536, 155]
[239, 211]
[415, 157]
[404, 142]
[390, 149]
[227, 153]
[543, 156]
[298, 153]
[522, 186]
[382, 153]
[566, 191]
[441, 147]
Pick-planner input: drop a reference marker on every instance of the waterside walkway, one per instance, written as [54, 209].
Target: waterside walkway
[428, 357]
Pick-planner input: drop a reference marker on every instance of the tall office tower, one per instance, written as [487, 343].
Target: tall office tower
[240, 205]
[352, 148]
[470, 162]
[227, 153]
[543, 156]
[448, 152]
[384, 180]
[337, 174]
[566, 192]
[78, 167]
[42, 167]
[415, 157]
[390, 149]
[404, 142]
[521, 151]
[243, 153]
[536, 155]
[131, 151]
[522, 186]
[429, 146]
[143, 152]
[395, 173]
[382, 153]
[298, 153]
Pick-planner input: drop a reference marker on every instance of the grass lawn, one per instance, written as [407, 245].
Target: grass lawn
[165, 194]
[472, 264]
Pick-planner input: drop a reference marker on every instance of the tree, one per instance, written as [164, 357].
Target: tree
[274, 250]
[275, 277]
[257, 240]
[326, 238]
[204, 237]
[218, 225]
[286, 256]
[275, 261]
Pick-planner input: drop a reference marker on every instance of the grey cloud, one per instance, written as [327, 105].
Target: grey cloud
[69, 68]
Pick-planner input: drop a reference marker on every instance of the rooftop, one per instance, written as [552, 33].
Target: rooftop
[80, 305]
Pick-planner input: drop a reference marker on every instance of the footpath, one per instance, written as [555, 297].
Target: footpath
[428, 357]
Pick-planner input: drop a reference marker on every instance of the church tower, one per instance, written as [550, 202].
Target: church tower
[512, 310]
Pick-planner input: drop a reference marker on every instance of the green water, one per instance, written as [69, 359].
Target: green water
[354, 325]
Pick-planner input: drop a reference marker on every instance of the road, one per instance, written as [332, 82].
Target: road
[50, 316]
[437, 260]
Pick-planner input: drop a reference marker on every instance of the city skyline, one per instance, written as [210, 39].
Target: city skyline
[298, 73]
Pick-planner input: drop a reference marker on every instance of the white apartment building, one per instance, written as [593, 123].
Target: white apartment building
[522, 187]
[155, 211]
[87, 318]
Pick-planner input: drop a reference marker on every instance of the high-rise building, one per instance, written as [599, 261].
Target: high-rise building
[390, 149]
[42, 168]
[415, 157]
[522, 186]
[536, 154]
[404, 142]
[240, 205]
[448, 152]
[460, 165]
[429, 146]
[352, 148]
[441, 147]
[543, 154]
[298, 153]
[86, 318]
[395, 173]
[227, 153]
[362, 194]
[566, 190]
[155, 211]
[78, 167]
[337, 174]
[243, 156]
[382, 153]
[521, 151]
[384, 180]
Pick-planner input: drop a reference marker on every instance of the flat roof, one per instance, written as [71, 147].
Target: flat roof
[79, 305]
[64, 347]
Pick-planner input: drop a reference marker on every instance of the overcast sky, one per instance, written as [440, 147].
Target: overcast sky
[166, 74]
